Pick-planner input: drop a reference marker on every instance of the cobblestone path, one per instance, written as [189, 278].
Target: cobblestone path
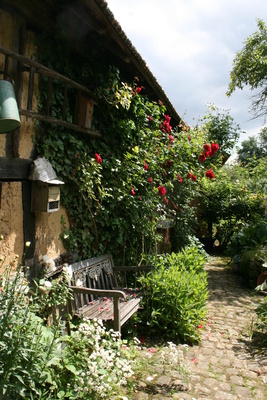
[226, 365]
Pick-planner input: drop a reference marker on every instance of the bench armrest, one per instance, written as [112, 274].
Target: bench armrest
[98, 292]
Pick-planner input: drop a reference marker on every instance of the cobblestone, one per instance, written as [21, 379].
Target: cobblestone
[225, 365]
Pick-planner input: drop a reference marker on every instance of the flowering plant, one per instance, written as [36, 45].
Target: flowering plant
[102, 364]
[39, 361]
[117, 202]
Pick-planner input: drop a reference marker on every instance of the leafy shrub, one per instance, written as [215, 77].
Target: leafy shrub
[248, 250]
[262, 316]
[39, 361]
[261, 324]
[26, 345]
[176, 294]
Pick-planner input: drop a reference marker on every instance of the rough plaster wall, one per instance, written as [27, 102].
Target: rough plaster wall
[48, 228]
[2, 145]
[48, 225]
[11, 215]
[11, 222]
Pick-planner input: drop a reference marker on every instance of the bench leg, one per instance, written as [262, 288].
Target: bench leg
[117, 315]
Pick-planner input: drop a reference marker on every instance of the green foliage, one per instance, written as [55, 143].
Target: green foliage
[248, 249]
[258, 180]
[114, 205]
[250, 68]
[219, 127]
[27, 346]
[249, 151]
[250, 238]
[175, 295]
[229, 201]
[261, 324]
[253, 149]
[40, 361]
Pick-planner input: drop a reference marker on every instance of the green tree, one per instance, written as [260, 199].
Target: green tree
[230, 200]
[263, 141]
[249, 151]
[253, 149]
[250, 69]
[218, 126]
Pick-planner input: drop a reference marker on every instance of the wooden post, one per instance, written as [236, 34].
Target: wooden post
[117, 317]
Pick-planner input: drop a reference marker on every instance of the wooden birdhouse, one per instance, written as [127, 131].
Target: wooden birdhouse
[45, 187]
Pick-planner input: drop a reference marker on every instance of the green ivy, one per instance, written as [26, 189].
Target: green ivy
[114, 205]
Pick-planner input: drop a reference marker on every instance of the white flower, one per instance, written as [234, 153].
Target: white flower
[50, 264]
[25, 289]
[27, 244]
[68, 272]
[79, 283]
[136, 340]
[47, 284]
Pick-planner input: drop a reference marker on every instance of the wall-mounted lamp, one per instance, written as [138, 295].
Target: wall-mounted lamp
[9, 113]
[45, 187]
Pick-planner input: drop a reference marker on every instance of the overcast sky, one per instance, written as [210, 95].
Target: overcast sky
[189, 46]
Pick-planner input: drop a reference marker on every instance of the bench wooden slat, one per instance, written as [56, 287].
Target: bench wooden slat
[129, 308]
[98, 309]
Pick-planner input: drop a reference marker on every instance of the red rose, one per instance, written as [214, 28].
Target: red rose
[189, 138]
[132, 191]
[150, 118]
[165, 126]
[214, 148]
[210, 174]
[167, 118]
[150, 180]
[180, 178]
[138, 89]
[161, 190]
[192, 176]
[206, 147]
[202, 157]
[145, 166]
[98, 158]
[171, 138]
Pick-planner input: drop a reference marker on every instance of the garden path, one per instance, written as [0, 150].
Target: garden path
[227, 364]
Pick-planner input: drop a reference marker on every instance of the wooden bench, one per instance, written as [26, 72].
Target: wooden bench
[97, 294]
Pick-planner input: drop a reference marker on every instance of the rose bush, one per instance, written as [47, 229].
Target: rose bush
[145, 167]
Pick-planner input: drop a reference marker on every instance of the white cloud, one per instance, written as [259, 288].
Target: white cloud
[189, 46]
